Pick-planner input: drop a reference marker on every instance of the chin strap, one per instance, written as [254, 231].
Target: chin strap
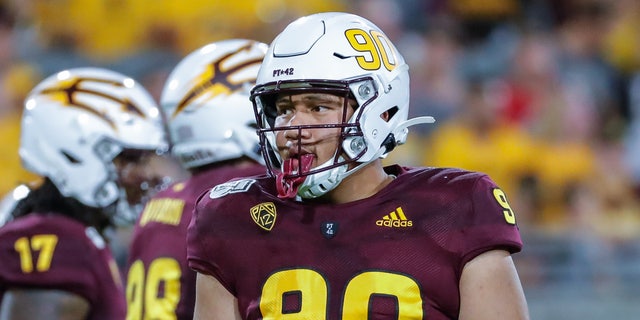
[288, 187]
[404, 125]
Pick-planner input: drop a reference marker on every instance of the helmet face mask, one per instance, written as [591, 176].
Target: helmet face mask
[207, 106]
[349, 128]
[77, 121]
[349, 56]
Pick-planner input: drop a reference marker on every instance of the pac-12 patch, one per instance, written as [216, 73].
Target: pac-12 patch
[264, 215]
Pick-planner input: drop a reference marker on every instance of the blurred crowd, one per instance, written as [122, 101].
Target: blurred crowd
[542, 95]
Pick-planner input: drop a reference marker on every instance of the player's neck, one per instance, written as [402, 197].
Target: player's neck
[362, 184]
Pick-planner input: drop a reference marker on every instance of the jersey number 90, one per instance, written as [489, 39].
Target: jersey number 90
[311, 289]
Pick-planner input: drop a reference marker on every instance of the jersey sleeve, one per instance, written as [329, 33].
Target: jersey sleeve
[491, 224]
[202, 243]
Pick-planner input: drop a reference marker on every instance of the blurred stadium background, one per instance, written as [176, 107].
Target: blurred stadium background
[543, 95]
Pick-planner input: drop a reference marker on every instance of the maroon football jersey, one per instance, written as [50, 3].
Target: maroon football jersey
[160, 284]
[397, 254]
[51, 251]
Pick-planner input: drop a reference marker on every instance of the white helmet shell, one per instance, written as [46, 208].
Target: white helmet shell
[344, 54]
[206, 103]
[76, 121]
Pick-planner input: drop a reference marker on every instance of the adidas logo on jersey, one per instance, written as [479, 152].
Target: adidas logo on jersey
[395, 219]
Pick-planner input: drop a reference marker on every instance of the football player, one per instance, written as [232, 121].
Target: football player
[213, 133]
[90, 134]
[332, 233]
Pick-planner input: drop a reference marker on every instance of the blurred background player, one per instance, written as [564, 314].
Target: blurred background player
[213, 132]
[332, 232]
[92, 134]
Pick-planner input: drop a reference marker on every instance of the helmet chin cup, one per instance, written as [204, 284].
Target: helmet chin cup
[318, 184]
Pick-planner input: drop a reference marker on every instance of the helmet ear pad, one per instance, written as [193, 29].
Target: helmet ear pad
[377, 116]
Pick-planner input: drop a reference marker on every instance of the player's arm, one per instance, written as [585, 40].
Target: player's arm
[42, 304]
[213, 301]
[490, 288]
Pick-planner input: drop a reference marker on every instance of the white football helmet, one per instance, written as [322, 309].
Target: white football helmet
[77, 121]
[206, 103]
[342, 54]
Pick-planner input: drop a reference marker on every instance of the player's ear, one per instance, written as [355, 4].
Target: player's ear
[385, 115]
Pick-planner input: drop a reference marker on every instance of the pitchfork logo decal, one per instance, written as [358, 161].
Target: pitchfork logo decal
[264, 215]
[68, 91]
[217, 80]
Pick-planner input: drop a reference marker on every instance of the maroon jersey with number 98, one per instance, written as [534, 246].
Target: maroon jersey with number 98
[396, 255]
[160, 284]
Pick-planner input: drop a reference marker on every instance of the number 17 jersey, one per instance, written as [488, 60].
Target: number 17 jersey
[50, 251]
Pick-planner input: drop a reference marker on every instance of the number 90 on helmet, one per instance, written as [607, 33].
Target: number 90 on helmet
[346, 55]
